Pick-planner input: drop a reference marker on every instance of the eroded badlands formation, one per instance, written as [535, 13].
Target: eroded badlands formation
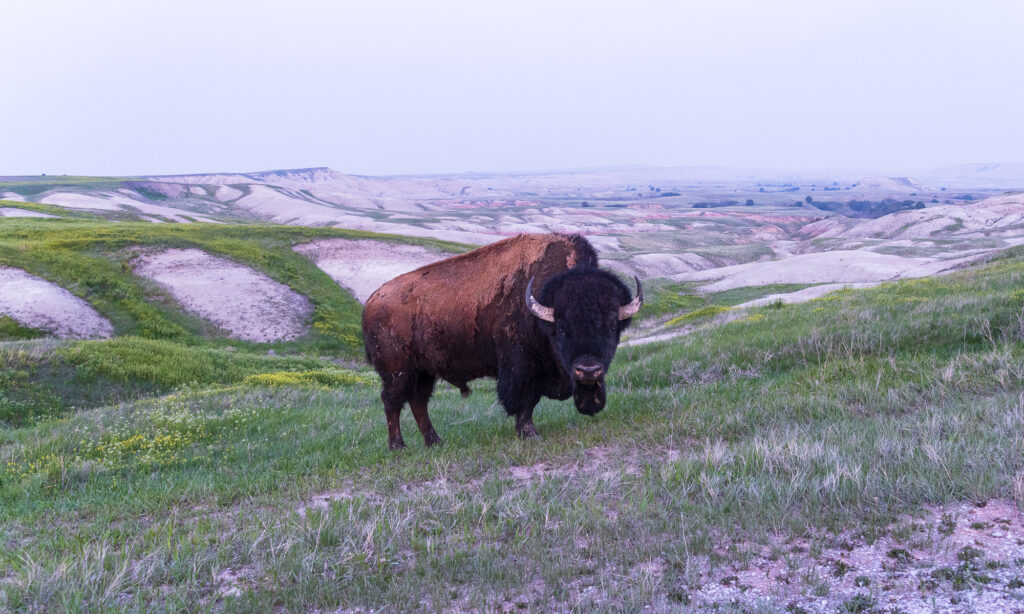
[34, 302]
[244, 303]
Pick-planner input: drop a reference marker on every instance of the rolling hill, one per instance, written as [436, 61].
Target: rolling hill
[812, 413]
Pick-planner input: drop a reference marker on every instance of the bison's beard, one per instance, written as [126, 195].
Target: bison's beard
[589, 398]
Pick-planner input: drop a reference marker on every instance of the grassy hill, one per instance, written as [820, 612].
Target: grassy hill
[158, 345]
[792, 430]
[90, 258]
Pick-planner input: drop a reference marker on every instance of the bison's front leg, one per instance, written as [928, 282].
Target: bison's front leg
[519, 393]
[524, 425]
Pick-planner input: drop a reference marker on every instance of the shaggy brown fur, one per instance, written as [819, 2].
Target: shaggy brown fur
[464, 318]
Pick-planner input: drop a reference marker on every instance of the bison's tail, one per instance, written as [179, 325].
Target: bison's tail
[369, 343]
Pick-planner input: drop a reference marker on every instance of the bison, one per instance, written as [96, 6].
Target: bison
[475, 315]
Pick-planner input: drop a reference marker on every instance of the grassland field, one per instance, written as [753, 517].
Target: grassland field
[171, 470]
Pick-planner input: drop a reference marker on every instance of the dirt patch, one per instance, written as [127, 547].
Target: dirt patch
[37, 303]
[957, 558]
[323, 500]
[231, 582]
[362, 266]
[960, 557]
[596, 461]
[245, 303]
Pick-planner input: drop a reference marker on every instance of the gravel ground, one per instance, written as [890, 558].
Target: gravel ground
[957, 558]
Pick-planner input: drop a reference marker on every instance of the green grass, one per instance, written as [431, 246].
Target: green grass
[839, 414]
[662, 299]
[50, 378]
[10, 330]
[66, 212]
[736, 296]
[703, 312]
[324, 379]
[686, 305]
[31, 186]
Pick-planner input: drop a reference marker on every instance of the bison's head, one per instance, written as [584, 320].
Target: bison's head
[583, 311]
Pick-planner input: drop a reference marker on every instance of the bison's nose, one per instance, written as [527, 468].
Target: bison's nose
[588, 373]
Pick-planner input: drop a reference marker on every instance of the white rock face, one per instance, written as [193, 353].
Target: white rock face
[37, 303]
[662, 265]
[361, 266]
[16, 212]
[802, 296]
[225, 193]
[999, 215]
[604, 243]
[843, 266]
[245, 303]
[991, 214]
[890, 184]
[73, 200]
[113, 201]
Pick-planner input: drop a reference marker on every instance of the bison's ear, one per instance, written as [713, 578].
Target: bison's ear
[628, 311]
[544, 313]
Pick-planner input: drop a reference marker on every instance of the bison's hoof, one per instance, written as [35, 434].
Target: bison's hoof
[432, 440]
[396, 444]
[528, 431]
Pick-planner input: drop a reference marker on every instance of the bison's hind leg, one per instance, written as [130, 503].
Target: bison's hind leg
[416, 388]
[393, 394]
[422, 386]
[399, 387]
[392, 410]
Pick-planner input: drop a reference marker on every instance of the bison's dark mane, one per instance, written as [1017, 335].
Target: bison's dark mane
[547, 293]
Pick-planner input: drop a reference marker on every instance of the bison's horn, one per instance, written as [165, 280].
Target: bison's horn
[544, 313]
[628, 311]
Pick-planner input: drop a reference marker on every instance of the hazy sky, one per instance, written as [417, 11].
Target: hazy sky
[381, 87]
